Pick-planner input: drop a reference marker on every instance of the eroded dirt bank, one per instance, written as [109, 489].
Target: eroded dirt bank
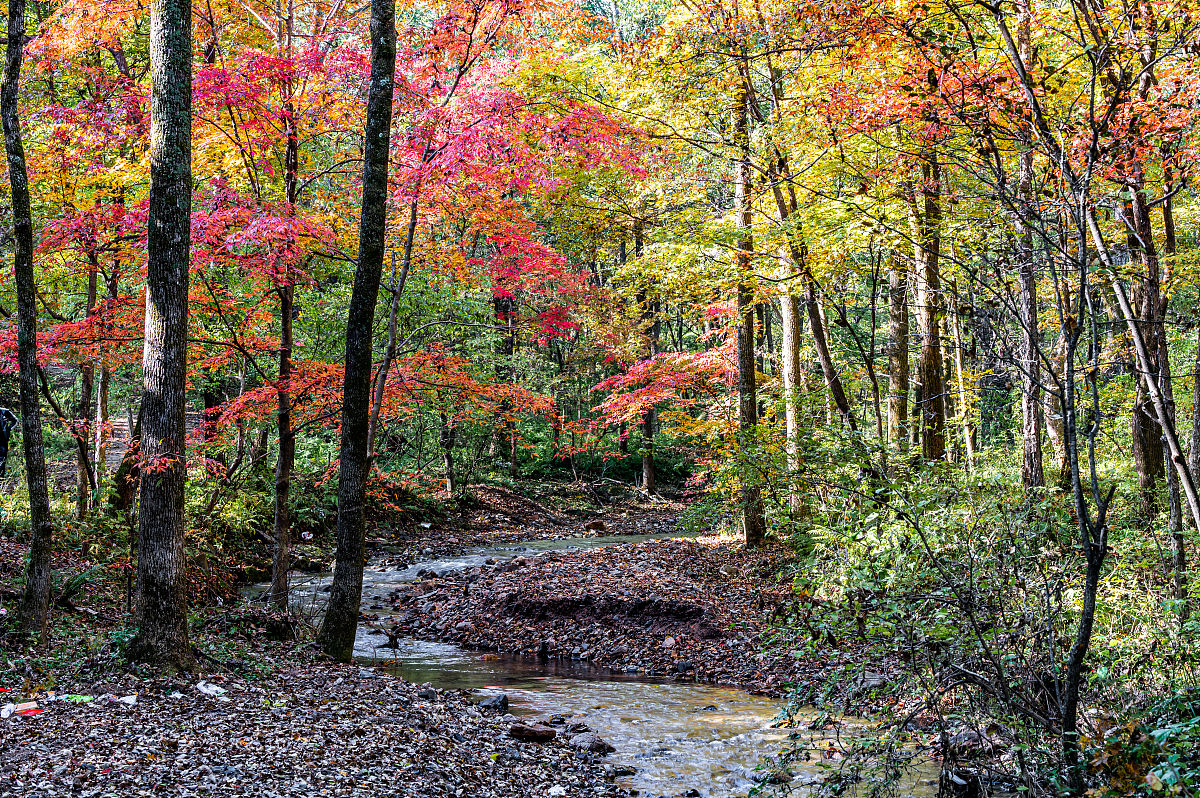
[688, 608]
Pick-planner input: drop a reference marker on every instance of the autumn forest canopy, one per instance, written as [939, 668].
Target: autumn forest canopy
[904, 295]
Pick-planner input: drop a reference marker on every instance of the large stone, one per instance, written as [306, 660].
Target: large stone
[531, 732]
[495, 703]
[591, 742]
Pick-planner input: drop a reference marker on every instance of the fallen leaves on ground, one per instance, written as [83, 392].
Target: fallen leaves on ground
[318, 730]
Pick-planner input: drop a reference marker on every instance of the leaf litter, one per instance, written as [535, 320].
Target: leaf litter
[309, 730]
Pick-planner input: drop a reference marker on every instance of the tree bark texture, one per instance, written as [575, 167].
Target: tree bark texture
[791, 325]
[753, 523]
[338, 628]
[1032, 475]
[1148, 456]
[927, 212]
[898, 432]
[85, 417]
[161, 617]
[34, 610]
[286, 461]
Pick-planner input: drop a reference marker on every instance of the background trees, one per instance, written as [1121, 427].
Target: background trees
[851, 273]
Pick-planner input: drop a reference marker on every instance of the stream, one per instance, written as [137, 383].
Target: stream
[678, 738]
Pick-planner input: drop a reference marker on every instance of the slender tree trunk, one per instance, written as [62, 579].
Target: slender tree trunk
[86, 411]
[753, 523]
[338, 628]
[964, 396]
[649, 311]
[898, 432]
[446, 437]
[787, 208]
[1147, 438]
[927, 216]
[1054, 419]
[1146, 364]
[161, 618]
[389, 354]
[100, 450]
[1174, 498]
[34, 610]
[648, 476]
[1194, 446]
[286, 461]
[103, 431]
[793, 381]
[815, 295]
[1032, 475]
[126, 479]
[1170, 248]
[505, 308]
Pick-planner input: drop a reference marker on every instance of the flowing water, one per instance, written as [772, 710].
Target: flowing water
[680, 738]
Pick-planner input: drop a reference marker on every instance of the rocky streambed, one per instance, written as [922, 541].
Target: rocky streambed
[616, 638]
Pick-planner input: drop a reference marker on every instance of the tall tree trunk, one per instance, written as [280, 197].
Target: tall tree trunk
[505, 308]
[1148, 457]
[793, 381]
[753, 523]
[389, 354]
[649, 311]
[1194, 446]
[779, 175]
[1146, 364]
[1055, 419]
[85, 413]
[100, 448]
[898, 433]
[287, 456]
[338, 628]
[103, 431]
[162, 633]
[1174, 499]
[964, 396]
[1032, 475]
[927, 216]
[34, 610]
[286, 462]
[787, 207]
[446, 438]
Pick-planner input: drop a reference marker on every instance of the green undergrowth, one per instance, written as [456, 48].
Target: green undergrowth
[965, 595]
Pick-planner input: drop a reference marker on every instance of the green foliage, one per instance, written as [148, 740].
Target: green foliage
[1151, 751]
[969, 586]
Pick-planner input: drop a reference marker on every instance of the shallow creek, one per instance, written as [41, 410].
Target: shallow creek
[682, 738]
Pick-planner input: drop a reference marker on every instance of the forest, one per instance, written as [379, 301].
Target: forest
[600, 398]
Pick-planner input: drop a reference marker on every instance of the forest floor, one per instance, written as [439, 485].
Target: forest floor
[304, 729]
[275, 715]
